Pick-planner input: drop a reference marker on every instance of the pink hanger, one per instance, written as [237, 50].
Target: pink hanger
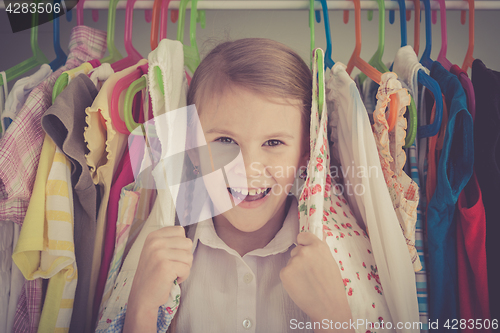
[79, 12]
[120, 87]
[444, 37]
[132, 55]
[470, 50]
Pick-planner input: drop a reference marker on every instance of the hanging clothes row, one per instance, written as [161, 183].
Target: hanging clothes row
[80, 171]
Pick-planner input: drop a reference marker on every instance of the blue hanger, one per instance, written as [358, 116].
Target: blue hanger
[69, 15]
[60, 55]
[328, 55]
[402, 18]
[427, 81]
[426, 56]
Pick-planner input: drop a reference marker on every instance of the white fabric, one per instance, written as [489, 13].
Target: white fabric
[355, 146]
[20, 92]
[16, 283]
[224, 289]
[101, 73]
[6, 236]
[169, 57]
[4, 92]
[406, 65]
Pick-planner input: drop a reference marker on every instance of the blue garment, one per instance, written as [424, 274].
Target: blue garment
[453, 172]
[420, 276]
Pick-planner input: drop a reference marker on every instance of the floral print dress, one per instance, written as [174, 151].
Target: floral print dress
[323, 208]
[403, 190]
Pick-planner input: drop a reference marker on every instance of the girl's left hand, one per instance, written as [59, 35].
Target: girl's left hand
[312, 279]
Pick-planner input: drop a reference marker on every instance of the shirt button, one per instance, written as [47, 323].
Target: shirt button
[247, 278]
[247, 323]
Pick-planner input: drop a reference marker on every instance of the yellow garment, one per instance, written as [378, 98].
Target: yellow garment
[106, 147]
[46, 248]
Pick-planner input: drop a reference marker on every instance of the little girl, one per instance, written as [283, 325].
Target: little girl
[247, 269]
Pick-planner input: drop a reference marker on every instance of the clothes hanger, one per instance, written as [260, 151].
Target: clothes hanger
[321, 79]
[79, 12]
[63, 79]
[366, 68]
[444, 37]
[470, 50]
[114, 54]
[328, 55]
[174, 14]
[132, 55]
[402, 18]
[160, 21]
[191, 54]
[431, 129]
[159, 7]
[317, 56]
[133, 89]
[37, 59]
[60, 55]
[426, 56]
[412, 109]
[416, 30]
[376, 59]
[123, 85]
[155, 23]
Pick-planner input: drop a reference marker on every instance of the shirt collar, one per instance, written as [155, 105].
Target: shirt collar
[205, 233]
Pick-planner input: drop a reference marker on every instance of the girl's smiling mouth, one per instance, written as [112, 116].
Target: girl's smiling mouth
[252, 194]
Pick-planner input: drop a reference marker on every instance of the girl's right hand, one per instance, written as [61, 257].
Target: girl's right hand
[166, 256]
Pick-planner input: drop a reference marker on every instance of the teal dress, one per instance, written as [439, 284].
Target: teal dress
[453, 172]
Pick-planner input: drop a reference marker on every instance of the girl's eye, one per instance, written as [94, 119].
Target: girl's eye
[225, 140]
[273, 143]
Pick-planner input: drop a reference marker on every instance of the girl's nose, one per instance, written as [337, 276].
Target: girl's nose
[249, 166]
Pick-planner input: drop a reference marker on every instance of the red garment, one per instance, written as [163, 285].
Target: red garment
[471, 255]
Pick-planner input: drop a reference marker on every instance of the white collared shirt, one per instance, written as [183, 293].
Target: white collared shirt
[229, 293]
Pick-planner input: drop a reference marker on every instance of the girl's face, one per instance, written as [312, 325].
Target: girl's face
[269, 135]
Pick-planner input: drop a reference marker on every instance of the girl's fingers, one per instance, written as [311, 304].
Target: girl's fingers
[179, 256]
[178, 242]
[170, 231]
[182, 270]
[306, 238]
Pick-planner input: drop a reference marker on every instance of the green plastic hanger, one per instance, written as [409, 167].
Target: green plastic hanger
[37, 59]
[376, 59]
[191, 54]
[114, 54]
[135, 87]
[318, 58]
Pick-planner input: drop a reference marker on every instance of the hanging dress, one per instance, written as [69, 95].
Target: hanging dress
[322, 207]
[353, 144]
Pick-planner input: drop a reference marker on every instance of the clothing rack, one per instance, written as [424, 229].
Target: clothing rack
[290, 5]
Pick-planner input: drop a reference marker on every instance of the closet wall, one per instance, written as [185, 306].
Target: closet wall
[287, 26]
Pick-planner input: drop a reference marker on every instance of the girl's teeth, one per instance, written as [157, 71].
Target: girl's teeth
[252, 192]
[258, 191]
[244, 191]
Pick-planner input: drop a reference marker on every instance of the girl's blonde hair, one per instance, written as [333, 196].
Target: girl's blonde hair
[264, 66]
[261, 65]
